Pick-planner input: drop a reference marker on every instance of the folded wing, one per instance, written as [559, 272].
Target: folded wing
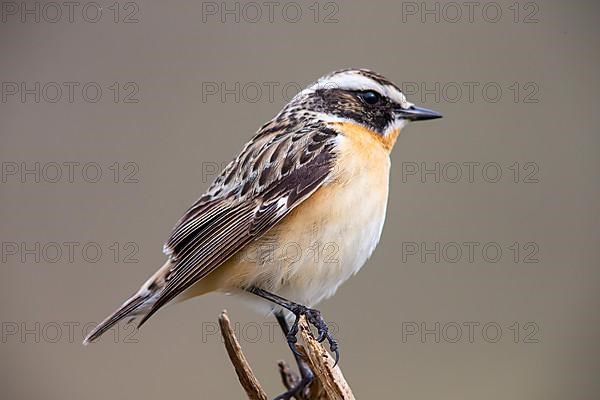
[274, 173]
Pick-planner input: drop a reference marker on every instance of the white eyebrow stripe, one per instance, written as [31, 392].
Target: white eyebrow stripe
[352, 80]
[348, 81]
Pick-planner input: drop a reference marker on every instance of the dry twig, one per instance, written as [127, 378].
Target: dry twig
[322, 364]
[242, 368]
[329, 382]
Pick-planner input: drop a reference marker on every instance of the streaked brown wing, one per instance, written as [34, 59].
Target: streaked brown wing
[273, 174]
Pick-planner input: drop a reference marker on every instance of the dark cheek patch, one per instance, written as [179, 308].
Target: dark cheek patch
[346, 105]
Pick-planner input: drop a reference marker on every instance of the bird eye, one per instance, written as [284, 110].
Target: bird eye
[370, 97]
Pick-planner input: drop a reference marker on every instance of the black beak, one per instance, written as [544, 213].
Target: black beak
[417, 113]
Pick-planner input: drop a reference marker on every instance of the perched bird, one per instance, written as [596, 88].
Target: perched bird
[315, 175]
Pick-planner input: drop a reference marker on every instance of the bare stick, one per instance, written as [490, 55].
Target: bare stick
[321, 363]
[249, 382]
[329, 382]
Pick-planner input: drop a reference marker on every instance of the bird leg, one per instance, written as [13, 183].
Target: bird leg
[313, 317]
[306, 374]
[303, 367]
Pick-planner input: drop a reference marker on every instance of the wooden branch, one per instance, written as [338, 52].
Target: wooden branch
[242, 368]
[329, 382]
[314, 391]
[322, 364]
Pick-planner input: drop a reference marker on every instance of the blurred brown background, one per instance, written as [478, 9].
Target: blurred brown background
[419, 321]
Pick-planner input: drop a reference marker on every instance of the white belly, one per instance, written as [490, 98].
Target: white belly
[327, 239]
[322, 242]
[338, 249]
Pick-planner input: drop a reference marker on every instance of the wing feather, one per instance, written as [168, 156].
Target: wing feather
[252, 194]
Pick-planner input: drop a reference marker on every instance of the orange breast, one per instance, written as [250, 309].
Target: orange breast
[366, 139]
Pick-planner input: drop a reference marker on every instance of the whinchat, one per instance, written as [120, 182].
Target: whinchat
[315, 174]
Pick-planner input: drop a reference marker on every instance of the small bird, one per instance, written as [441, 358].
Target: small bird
[295, 214]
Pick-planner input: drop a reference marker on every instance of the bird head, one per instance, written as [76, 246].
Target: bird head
[359, 97]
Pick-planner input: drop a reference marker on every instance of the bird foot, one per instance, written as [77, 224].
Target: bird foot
[315, 319]
[299, 390]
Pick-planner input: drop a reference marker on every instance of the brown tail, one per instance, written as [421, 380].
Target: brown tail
[131, 308]
[138, 304]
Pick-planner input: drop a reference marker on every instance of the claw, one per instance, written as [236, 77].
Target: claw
[334, 347]
[292, 344]
[314, 318]
[322, 336]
